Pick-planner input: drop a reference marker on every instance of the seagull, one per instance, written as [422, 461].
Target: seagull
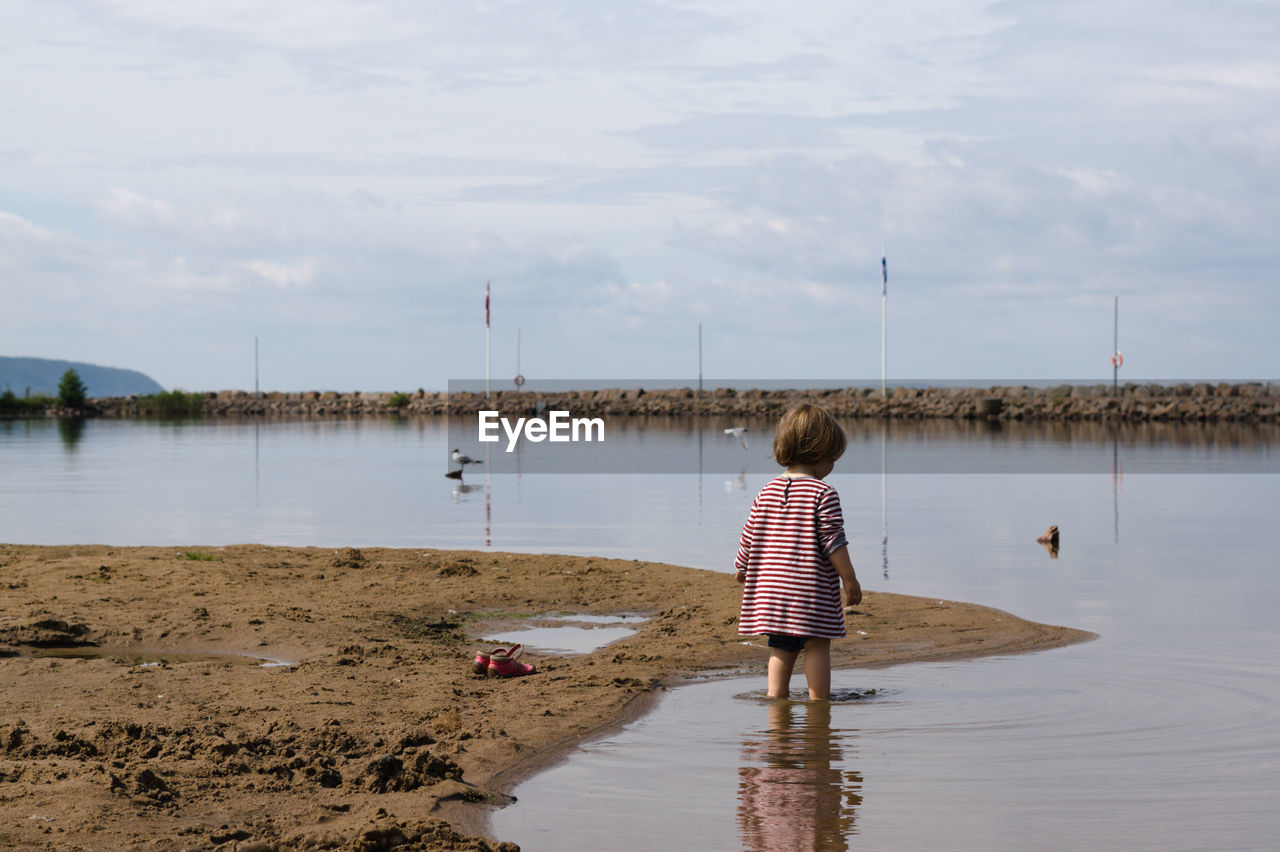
[463, 460]
[739, 432]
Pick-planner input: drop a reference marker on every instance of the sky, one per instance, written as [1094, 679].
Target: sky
[339, 180]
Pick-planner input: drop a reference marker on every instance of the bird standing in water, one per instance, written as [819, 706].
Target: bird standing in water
[462, 460]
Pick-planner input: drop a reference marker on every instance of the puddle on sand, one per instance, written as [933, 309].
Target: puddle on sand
[152, 657]
[569, 634]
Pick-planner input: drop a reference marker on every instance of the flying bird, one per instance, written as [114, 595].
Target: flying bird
[739, 432]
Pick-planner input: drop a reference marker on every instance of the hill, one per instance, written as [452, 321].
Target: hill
[42, 375]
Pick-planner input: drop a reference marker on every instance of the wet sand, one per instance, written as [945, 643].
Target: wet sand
[259, 698]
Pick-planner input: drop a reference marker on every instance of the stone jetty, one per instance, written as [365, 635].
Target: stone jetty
[1249, 402]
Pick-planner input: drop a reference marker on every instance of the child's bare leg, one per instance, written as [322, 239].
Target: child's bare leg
[817, 668]
[781, 664]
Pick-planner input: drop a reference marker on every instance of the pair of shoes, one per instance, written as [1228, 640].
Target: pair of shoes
[480, 665]
[507, 667]
[501, 662]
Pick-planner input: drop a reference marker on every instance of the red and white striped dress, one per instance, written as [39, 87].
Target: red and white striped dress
[791, 586]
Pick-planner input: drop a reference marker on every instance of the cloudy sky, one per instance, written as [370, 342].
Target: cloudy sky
[339, 179]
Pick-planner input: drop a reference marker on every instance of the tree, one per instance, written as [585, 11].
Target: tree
[71, 390]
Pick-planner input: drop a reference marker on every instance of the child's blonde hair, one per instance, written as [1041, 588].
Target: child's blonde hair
[808, 434]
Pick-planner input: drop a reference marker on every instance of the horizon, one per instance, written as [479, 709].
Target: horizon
[707, 384]
[340, 183]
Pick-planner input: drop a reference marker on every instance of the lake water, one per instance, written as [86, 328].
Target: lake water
[1162, 734]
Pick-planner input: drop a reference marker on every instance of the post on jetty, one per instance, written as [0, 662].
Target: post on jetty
[1116, 358]
[488, 349]
[884, 313]
[519, 379]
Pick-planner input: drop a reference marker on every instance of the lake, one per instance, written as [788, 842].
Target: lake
[1161, 734]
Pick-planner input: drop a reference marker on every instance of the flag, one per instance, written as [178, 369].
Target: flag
[486, 304]
[884, 271]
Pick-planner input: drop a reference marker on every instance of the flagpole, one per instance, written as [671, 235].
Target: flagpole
[1115, 347]
[884, 314]
[488, 348]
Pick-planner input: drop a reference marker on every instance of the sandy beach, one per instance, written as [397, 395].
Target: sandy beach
[261, 698]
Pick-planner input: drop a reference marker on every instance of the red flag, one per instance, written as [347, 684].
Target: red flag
[486, 304]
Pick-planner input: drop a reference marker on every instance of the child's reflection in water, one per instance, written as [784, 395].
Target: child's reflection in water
[793, 794]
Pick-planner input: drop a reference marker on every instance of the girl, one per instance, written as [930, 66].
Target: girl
[793, 555]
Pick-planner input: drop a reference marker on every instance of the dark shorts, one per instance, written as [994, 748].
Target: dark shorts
[786, 642]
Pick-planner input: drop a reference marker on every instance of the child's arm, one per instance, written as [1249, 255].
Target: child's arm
[844, 567]
[744, 544]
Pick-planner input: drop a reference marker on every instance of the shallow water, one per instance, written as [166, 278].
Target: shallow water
[568, 634]
[1078, 748]
[1161, 734]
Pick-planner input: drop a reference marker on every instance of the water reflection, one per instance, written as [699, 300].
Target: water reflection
[717, 444]
[793, 793]
[460, 489]
[1049, 541]
[363, 482]
[1117, 481]
[884, 498]
[70, 430]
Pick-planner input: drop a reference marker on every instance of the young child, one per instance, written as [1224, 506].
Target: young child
[793, 555]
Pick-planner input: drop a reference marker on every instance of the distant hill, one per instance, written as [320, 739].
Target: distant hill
[42, 375]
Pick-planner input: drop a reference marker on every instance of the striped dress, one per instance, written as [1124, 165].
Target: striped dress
[791, 587]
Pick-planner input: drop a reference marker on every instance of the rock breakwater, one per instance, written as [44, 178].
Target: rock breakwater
[1249, 402]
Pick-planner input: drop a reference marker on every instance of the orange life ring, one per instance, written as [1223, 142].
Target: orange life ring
[1117, 360]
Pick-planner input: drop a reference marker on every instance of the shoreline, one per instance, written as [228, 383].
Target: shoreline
[377, 734]
[1243, 402]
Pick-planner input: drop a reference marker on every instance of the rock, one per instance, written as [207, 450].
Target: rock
[990, 406]
[48, 633]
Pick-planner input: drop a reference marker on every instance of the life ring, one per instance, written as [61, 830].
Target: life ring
[1117, 360]
[519, 380]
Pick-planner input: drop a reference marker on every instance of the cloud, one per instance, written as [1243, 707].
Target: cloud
[132, 209]
[293, 275]
[44, 265]
[792, 68]
[624, 170]
[17, 232]
[741, 132]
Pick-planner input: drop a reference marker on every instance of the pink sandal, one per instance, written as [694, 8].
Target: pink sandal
[481, 663]
[502, 662]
